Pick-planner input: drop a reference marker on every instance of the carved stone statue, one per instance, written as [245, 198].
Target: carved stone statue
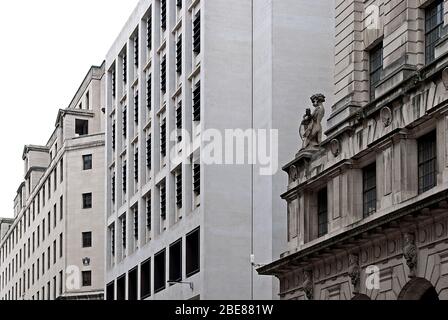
[308, 286]
[311, 126]
[410, 253]
[354, 272]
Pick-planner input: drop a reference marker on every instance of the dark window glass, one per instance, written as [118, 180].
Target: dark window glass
[197, 33]
[148, 214]
[159, 271]
[148, 152]
[136, 51]
[149, 92]
[87, 239]
[145, 279]
[136, 223]
[87, 201]
[197, 102]
[369, 190]
[136, 165]
[163, 200]
[163, 138]
[193, 253]
[87, 162]
[197, 179]
[136, 98]
[163, 14]
[179, 55]
[86, 278]
[322, 212]
[133, 284]
[427, 162]
[125, 122]
[433, 28]
[175, 266]
[179, 189]
[163, 74]
[81, 127]
[125, 68]
[376, 66]
[110, 291]
[124, 176]
[149, 31]
[123, 231]
[121, 288]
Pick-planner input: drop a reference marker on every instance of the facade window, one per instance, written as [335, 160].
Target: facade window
[427, 162]
[163, 138]
[112, 240]
[433, 28]
[61, 243]
[175, 267]
[179, 55]
[114, 130]
[149, 92]
[86, 278]
[322, 212]
[376, 66]
[179, 120]
[124, 177]
[149, 31]
[61, 208]
[179, 4]
[136, 164]
[369, 190]
[87, 239]
[148, 214]
[113, 182]
[163, 14]
[179, 189]
[136, 51]
[136, 98]
[159, 271]
[113, 80]
[125, 122]
[148, 152]
[87, 162]
[125, 68]
[133, 284]
[87, 201]
[136, 222]
[61, 170]
[81, 127]
[87, 101]
[145, 279]
[193, 253]
[163, 200]
[163, 75]
[197, 33]
[197, 102]
[123, 231]
[197, 179]
[121, 288]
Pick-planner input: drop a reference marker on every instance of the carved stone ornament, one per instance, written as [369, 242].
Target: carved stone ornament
[354, 272]
[310, 129]
[335, 147]
[86, 261]
[445, 78]
[308, 286]
[386, 116]
[293, 173]
[410, 253]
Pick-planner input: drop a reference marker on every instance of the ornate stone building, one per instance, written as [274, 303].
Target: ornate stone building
[368, 206]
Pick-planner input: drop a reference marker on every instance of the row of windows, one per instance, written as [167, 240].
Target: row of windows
[433, 32]
[149, 285]
[427, 179]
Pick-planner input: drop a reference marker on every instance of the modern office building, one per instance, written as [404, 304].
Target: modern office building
[368, 210]
[178, 227]
[54, 246]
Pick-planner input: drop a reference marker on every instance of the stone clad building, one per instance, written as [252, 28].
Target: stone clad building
[174, 223]
[368, 209]
[54, 246]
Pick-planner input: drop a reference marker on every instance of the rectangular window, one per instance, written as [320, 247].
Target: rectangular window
[55, 216]
[113, 182]
[149, 31]
[163, 138]
[197, 102]
[81, 127]
[159, 271]
[114, 132]
[148, 152]
[61, 245]
[179, 55]
[145, 279]
[124, 176]
[110, 291]
[113, 80]
[427, 162]
[136, 99]
[112, 240]
[163, 75]
[136, 51]
[136, 222]
[133, 284]
[175, 266]
[433, 28]
[123, 231]
[87, 162]
[61, 208]
[87, 239]
[54, 252]
[179, 120]
[179, 189]
[125, 122]
[322, 212]
[121, 288]
[149, 92]
[163, 200]
[148, 214]
[197, 33]
[376, 66]
[136, 164]
[61, 170]
[197, 179]
[86, 278]
[125, 68]
[87, 201]
[369, 189]
[193, 253]
[163, 14]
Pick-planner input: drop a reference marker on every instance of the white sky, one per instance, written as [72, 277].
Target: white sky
[47, 47]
